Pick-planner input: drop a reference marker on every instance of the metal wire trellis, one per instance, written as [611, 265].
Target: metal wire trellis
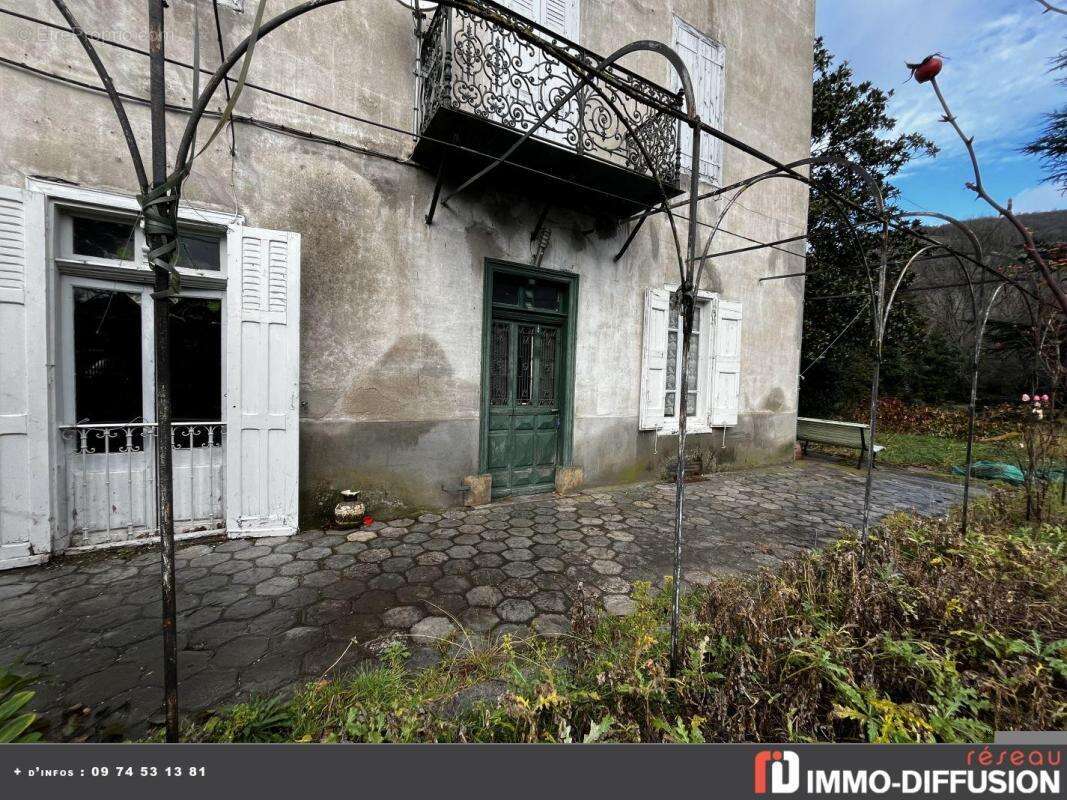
[161, 195]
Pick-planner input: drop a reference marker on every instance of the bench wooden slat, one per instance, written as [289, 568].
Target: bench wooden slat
[837, 423]
[853, 435]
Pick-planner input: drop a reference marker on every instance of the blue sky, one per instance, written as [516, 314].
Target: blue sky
[995, 79]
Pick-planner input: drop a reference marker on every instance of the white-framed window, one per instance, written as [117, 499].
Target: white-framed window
[672, 396]
[713, 368]
[235, 346]
[106, 315]
[706, 60]
[89, 235]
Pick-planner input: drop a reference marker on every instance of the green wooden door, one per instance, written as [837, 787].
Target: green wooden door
[523, 437]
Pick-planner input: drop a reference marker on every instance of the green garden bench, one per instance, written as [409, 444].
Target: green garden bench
[853, 435]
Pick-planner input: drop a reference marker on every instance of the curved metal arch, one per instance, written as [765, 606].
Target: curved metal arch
[486, 12]
[877, 294]
[788, 172]
[112, 94]
[979, 255]
[523, 31]
[686, 268]
[586, 80]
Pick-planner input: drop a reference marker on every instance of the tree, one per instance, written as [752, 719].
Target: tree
[1051, 146]
[851, 119]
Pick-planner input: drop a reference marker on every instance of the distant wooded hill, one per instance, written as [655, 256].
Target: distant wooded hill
[1048, 226]
[1007, 367]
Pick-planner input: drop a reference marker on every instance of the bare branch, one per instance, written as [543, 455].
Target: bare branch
[112, 93]
[1049, 7]
[979, 189]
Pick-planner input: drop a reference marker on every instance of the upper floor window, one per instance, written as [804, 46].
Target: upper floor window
[706, 60]
[559, 16]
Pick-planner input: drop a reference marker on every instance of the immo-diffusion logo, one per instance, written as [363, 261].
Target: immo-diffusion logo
[998, 771]
[783, 766]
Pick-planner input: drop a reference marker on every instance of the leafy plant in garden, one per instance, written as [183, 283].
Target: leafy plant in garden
[1041, 451]
[949, 421]
[15, 721]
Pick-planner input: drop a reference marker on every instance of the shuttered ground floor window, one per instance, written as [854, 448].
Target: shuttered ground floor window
[713, 368]
[78, 437]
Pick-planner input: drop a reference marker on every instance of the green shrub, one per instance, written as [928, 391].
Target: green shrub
[944, 420]
[14, 722]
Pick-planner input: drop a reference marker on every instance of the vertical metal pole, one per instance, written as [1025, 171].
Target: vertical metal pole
[972, 408]
[970, 439]
[979, 336]
[881, 313]
[686, 293]
[164, 484]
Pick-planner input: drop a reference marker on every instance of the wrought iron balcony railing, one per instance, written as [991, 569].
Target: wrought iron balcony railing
[477, 67]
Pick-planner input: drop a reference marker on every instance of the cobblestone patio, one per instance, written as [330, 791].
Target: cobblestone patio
[258, 616]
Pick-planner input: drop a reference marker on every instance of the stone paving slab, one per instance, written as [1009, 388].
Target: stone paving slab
[265, 615]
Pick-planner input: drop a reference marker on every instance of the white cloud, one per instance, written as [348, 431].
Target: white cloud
[1044, 197]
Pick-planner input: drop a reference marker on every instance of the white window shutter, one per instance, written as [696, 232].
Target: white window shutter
[531, 9]
[559, 16]
[726, 366]
[654, 359]
[562, 17]
[262, 381]
[706, 61]
[25, 501]
[716, 109]
[684, 41]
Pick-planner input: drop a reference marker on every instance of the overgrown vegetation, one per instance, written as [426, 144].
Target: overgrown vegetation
[999, 422]
[935, 636]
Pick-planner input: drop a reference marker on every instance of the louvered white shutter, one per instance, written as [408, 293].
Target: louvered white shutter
[559, 16]
[262, 381]
[531, 9]
[25, 518]
[562, 17]
[706, 62]
[713, 60]
[726, 365]
[654, 359]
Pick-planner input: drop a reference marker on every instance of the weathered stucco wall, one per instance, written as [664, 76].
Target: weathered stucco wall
[391, 307]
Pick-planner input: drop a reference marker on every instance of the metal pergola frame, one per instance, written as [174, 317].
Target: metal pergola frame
[160, 193]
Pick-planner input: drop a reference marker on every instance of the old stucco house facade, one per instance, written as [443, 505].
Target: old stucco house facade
[328, 336]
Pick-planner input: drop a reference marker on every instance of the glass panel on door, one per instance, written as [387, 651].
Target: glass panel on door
[107, 359]
[524, 400]
[109, 449]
